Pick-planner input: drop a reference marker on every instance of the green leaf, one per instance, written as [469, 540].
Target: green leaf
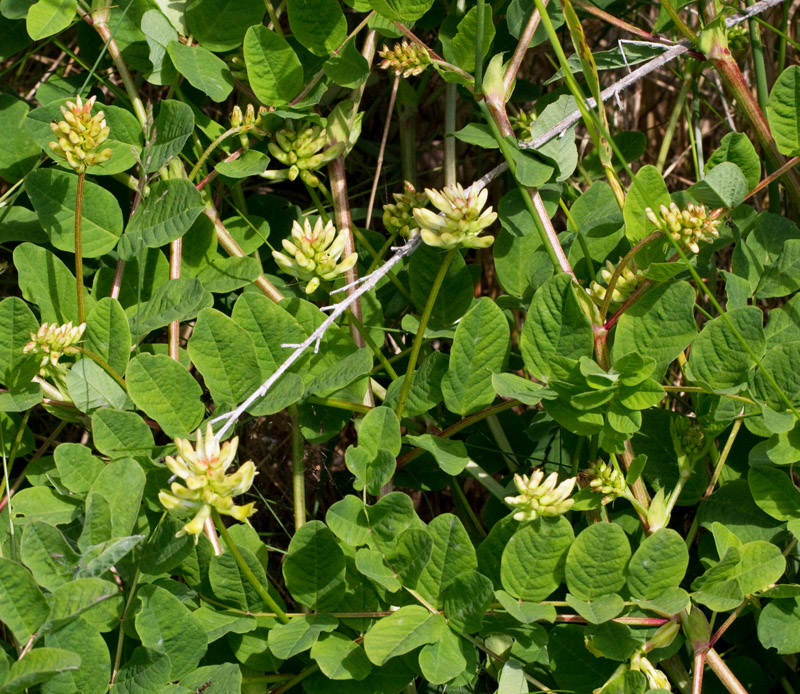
[599, 610]
[371, 564]
[121, 482]
[163, 216]
[724, 186]
[774, 492]
[214, 679]
[466, 599]
[17, 322]
[525, 612]
[53, 193]
[23, 608]
[166, 625]
[373, 460]
[341, 373]
[780, 362]
[165, 390]
[532, 564]
[92, 675]
[779, 626]
[718, 359]
[442, 660]
[659, 325]
[314, 567]
[648, 190]
[401, 10]
[273, 68]
[178, 299]
[98, 559]
[173, 126]
[737, 148]
[250, 163]
[770, 256]
[77, 467]
[231, 585]
[48, 17]
[44, 504]
[462, 45]
[479, 349]
[455, 296]
[733, 506]
[45, 281]
[425, 392]
[21, 398]
[107, 333]
[159, 33]
[659, 563]
[221, 26]
[46, 552]
[402, 631]
[19, 152]
[450, 455]
[164, 551]
[562, 149]
[387, 518]
[38, 666]
[348, 68]
[90, 386]
[410, 554]
[224, 353]
[530, 168]
[319, 26]
[299, 634]
[116, 433]
[203, 70]
[512, 678]
[453, 555]
[555, 326]
[348, 521]
[590, 573]
[339, 658]
[146, 671]
[783, 111]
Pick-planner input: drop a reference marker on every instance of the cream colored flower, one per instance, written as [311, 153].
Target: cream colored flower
[627, 282]
[541, 497]
[608, 481]
[462, 218]
[80, 135]
[51, 342]
[304, 149]
[203, 470]
[314, 253]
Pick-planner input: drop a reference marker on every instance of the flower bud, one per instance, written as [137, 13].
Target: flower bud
[404, 59]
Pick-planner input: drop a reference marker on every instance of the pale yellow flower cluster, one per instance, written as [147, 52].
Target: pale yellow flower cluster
[80, 134]
[541, 497]
[203, 470]
[608, 481]
[314, 253]
[627, 282]
[51, 342]
[688, 227]
[398, 217]
[462, 220]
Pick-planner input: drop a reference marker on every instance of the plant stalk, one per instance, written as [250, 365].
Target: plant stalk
[79, 247]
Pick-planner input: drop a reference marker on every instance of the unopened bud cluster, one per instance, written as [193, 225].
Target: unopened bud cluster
[688, 227]
[462, 218]
[313, 253]
[627, 282]
[249, 119]
[203, 470]
[398, 217]
[522, 123]
[541, 497]
[304, 149]
[51, 342]
[80, 135]
[608, 481]
[404, 59]
[689, 441]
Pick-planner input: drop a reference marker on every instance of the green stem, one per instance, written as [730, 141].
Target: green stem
[682, 27]
[677, 108]
[339, 404]
[737, 424]
[724, 673]
[420, 336]
[480, 18]
[462, 502]
[310, 670]
[486, 480]
[79, 247]
[9, 462]
[263, 593]
[298, 470]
